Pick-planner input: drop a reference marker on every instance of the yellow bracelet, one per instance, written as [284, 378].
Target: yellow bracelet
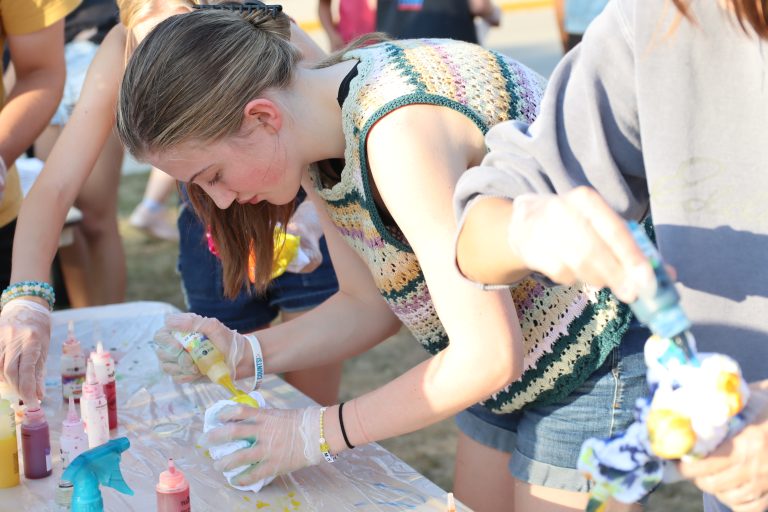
[324, 448]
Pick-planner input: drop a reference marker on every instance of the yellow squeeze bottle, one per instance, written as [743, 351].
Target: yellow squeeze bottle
[211, 362]
[9, 448]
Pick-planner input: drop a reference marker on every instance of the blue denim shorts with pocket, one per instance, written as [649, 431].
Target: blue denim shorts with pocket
[202, 283]
[544, 441]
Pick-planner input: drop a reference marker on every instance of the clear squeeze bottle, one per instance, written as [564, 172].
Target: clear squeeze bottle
[172, 490]
[72, 365]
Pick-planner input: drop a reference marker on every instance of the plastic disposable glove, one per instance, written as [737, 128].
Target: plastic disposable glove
[736, 473]
[306, 224]
[576, 236]
[285, 440]
[25, 334]
[176, 362]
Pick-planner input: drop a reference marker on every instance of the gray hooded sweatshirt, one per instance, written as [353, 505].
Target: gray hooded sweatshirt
[668, 117]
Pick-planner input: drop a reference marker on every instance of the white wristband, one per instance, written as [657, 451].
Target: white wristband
[258, 361]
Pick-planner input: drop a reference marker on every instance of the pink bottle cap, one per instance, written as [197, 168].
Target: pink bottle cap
[172, 479]
[104, 364]
[71, 345]
[91, 389]
[72, 425]
[100, 353]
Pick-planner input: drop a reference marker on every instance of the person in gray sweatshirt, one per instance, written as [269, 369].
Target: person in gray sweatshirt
[662, 110]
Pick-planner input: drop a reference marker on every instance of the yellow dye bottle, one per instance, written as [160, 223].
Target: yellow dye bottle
[211, 362]
[9, 448]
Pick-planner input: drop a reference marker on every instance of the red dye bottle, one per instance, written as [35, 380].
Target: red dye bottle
[172, 491]
[36, 444]
[104, 366]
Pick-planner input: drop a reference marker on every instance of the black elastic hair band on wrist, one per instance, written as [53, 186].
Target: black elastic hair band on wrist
[343, 431]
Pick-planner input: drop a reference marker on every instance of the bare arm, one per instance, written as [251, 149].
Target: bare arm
[487, 10]
[38, 62]
[71, 160]
[560, 16]
[482, 326]
[326, 20]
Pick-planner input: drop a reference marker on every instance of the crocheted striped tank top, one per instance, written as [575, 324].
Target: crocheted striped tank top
[568, 331]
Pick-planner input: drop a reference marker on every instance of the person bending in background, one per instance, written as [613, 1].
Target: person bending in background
[24, 326]
[661, 109]
[93, 266]
[34, 33]
[391, 126]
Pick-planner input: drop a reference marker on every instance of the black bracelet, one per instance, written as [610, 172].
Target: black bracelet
[343, 431]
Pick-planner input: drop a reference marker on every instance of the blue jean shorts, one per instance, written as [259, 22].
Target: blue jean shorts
[77, 56]
[202, 283]
[544, 441]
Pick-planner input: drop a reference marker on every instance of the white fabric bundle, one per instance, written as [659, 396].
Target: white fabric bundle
[222, 450]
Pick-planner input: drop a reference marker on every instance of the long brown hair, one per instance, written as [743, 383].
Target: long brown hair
[189, 80]
[750, 13]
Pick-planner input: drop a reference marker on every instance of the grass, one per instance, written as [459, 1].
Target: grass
[152, 276]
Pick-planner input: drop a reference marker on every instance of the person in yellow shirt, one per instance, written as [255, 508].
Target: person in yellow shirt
[34, 33]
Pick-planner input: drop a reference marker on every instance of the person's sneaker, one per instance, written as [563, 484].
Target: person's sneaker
[154, 223]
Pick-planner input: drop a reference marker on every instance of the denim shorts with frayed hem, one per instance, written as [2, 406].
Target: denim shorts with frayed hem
[202, 283]
[544, 441]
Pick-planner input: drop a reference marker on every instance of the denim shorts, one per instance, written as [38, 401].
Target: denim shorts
[78, 56]
[202, 283]
[544, 441]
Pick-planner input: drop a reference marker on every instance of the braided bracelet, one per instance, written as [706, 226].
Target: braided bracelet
[324, 448]
[28, 288]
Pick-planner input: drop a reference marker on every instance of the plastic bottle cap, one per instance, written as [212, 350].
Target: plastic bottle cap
[100, 353]
[172, 479]
[91, 388]
[90, 374]
[72, 425]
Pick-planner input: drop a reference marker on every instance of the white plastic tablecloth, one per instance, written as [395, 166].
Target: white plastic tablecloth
[163, 420]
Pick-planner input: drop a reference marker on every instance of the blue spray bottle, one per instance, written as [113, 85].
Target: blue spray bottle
[659, 306]
[100, 465]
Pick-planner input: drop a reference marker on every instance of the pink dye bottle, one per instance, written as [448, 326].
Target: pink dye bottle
[172, 491]
[74, 440]
[105, 375]
[93, 409]
[36, 444]
[72, 365]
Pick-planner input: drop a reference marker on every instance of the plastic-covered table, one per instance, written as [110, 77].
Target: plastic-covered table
[163, 420]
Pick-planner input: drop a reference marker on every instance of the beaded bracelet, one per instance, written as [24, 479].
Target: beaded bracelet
[324, 448]
[28, 288]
